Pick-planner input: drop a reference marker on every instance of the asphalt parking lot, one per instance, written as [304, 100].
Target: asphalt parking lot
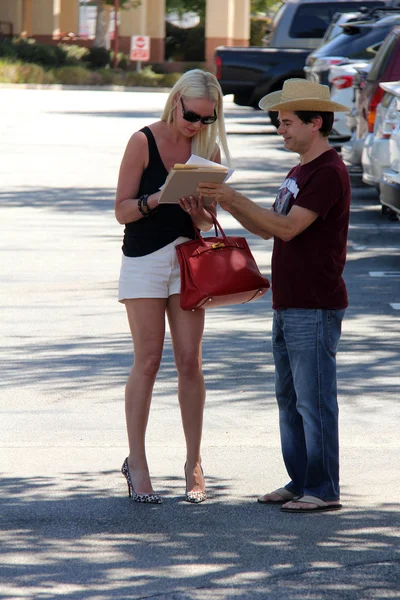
[67, 528]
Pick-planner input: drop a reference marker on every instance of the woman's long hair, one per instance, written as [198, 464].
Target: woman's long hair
[200, 84]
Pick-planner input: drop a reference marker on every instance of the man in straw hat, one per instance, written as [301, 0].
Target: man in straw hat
[309, 223]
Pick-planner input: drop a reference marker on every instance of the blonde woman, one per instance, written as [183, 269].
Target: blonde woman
[192, 123]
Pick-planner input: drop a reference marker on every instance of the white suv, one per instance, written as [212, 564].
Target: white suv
[375, 155]
[390, 182]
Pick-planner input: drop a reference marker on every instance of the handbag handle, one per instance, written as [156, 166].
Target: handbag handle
[216, 225]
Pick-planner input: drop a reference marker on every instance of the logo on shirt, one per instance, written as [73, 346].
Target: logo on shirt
[287, 191]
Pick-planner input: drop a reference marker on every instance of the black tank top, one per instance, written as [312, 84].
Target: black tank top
[166, 223]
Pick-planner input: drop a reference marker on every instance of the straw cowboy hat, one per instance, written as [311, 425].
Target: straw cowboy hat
[300, 94]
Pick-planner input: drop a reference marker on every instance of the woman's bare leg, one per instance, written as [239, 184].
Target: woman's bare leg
[147, 324]
[186, 331]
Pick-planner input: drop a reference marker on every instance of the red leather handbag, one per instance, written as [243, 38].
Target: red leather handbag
[218, 271]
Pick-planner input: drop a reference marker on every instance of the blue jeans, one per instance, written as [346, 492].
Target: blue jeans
[304, 343]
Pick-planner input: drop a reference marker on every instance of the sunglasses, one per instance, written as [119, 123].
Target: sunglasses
[193, 117]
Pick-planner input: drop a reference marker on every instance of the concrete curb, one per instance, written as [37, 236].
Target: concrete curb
[94, 88]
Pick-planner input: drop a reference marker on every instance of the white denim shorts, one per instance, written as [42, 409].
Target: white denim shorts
[155, 275]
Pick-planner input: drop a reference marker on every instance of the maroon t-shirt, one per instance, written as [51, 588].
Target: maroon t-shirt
[307, 271]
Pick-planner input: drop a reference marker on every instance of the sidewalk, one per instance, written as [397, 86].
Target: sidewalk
[79, 88]
[68, 528]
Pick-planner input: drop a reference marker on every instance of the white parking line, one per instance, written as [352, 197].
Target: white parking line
[385, 226]
[384, 273]
[395, 305]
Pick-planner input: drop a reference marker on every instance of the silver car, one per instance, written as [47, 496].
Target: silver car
[375, 155]
[390, 182]
[352, 150]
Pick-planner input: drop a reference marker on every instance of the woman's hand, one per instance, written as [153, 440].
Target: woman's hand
[189, 204]
[199, 215]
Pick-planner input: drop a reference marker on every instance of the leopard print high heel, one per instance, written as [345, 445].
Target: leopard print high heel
[144, 498]
[194, 497]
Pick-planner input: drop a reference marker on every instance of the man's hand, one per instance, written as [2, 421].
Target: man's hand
[221, 193]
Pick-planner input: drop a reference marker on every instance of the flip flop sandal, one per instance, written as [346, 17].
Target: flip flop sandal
[286, 496]
[321, 505]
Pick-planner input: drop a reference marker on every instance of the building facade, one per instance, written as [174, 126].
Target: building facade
[49, 21]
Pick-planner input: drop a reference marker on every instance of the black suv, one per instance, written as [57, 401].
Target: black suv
[359, 41]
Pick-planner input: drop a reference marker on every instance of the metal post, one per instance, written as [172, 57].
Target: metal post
[116, 9]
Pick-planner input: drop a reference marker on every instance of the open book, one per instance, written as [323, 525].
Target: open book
[183, 180]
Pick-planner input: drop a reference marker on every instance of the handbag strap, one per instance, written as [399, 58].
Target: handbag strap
[216, 227]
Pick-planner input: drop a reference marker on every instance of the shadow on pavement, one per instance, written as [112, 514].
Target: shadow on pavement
[124, 114]
[86, 541]
[61, 199]
[103, 362]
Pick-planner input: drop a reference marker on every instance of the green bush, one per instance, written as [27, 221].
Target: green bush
[111, 76]
[25, 49]
[18, 72]
[160, 68]
[29, 51]
[146, 78]
[32, 73]
[72, 76]
[123, 60]
[96, 78]
[69, 65]
[258, 25]
[97, 58]
[169, 79]
[74, 55]
[7, 49]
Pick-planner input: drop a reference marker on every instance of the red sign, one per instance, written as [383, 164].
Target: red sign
[140, 47]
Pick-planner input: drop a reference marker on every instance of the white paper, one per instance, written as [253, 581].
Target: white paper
[198, 160]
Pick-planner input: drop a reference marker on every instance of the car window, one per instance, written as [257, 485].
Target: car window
[311, 20]
[354, 42]
[334, 27]
[381, 58]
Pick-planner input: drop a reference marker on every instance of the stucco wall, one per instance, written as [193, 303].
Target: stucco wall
[12, 12]
[42, 17]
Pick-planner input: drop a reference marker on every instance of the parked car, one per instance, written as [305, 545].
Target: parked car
[384, 68]
[351, 151]
[341, 81]
[375, 154]
[390, 181]
[251, 73]
[359, 78]
[359, 41]
[336, 25]
[303, 23]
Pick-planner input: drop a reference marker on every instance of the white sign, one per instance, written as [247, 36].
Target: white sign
[140, 47]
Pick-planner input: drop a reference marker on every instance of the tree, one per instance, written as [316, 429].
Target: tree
[199, 7]
[263, 6]
[104, 8]
[180, 7]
